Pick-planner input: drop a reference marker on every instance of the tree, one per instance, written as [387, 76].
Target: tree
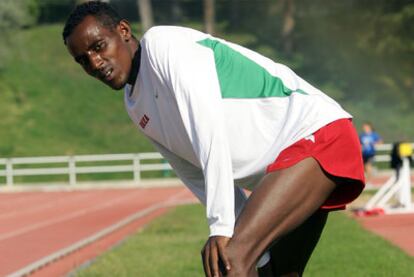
[209, 16]
[17, 13]
[288, 25]
[234, 13]
[145, 13]
[176, 11]
[14, 14]
[84, 1]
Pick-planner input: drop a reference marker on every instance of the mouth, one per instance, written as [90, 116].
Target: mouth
[106, 74]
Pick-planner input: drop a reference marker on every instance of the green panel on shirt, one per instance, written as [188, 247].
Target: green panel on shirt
[241, 77]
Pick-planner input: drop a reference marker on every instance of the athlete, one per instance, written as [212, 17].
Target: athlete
[368, 139]
[228, 119]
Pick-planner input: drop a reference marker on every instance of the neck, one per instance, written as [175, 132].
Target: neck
[136, 61]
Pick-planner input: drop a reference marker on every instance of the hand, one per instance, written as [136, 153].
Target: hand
[213, 253]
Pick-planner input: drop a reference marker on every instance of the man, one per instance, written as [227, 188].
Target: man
[368, 139]
[227, 118]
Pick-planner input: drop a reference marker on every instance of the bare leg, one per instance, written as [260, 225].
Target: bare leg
[291, 253]
[368, 171]
[281, 202]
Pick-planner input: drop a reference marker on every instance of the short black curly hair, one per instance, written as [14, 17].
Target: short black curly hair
[102, 11]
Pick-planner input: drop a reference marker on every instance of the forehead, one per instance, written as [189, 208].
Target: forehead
[88, 31]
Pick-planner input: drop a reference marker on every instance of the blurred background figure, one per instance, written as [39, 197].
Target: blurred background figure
[368, 138]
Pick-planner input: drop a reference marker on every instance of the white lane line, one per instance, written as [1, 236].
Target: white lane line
[171, 201]
[10, 203]
[46, 223]
[56, 202]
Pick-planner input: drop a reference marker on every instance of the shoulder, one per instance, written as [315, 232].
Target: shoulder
[376, 135]
[171, 34]
[157, 32]
[163, 44]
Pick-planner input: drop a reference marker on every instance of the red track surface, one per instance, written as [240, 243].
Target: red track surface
[34, 225]
[397, 228]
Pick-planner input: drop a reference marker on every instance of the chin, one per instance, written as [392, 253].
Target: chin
[117, 85]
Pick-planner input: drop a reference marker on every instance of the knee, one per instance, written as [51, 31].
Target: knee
[236, 253]
[235, 256]
[241, 262]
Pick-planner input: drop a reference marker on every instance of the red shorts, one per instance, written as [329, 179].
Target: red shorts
[337, 149]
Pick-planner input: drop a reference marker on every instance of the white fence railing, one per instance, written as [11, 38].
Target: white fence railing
[75, 165]
[133, 163]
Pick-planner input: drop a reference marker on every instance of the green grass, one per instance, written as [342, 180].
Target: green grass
[170, 246]
[49, 106]
[346, 249]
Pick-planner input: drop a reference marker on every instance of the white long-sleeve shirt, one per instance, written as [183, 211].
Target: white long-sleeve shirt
[220, 113]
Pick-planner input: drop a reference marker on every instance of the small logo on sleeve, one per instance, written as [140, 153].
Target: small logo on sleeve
[144, 121]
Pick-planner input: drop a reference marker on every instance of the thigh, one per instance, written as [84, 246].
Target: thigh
[280, 203]
[291, 253]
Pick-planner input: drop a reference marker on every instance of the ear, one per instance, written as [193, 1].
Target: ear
[124, 29]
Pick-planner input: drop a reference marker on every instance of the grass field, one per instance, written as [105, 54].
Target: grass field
[49, 106]
[170, 246]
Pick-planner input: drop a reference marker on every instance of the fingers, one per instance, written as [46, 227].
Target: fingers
[210, 259]
[214, 259]
[223, 256]
[213, 253]
[206, 259]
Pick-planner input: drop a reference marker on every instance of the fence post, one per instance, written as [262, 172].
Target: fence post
[404, 195]
[137, 168]
[72, 171]
[9, 172]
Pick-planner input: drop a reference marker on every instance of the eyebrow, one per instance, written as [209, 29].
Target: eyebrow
[79, 58]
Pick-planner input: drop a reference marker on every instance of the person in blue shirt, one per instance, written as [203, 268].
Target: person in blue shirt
[368, 138]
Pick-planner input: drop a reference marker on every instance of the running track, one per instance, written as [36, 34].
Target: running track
[396, 228]
[36, 226]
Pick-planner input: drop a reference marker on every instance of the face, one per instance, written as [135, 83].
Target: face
[103, 53]
[367, 128]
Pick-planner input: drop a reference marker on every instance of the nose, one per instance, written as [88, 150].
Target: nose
[95, 62]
